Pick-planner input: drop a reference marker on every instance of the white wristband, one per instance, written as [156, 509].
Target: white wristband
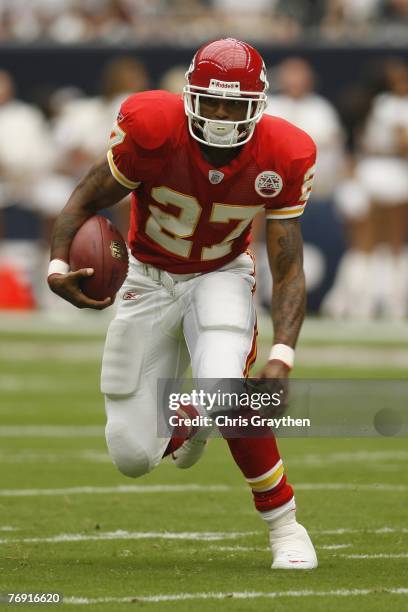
[58, 266]
[283, 353]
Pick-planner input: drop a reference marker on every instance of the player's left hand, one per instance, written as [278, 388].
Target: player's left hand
[273, 379]
[274, 369]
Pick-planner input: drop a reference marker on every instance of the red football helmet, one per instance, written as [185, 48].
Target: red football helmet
[228, 68]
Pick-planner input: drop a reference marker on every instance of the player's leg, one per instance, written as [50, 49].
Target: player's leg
[220, 333]
[260, 462]
[220, 330]
[217, 340]
[144, 343]
[220, 322]
[391, 219]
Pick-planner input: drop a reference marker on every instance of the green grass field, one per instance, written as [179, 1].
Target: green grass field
[189, 540]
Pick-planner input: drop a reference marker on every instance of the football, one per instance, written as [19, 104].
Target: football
[99, 245]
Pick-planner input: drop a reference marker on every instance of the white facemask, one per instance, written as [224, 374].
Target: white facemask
[223, 134]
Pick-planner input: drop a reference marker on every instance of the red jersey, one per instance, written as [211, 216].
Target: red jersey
[186, 215]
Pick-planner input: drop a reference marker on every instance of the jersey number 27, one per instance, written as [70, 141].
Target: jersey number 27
[174, 233]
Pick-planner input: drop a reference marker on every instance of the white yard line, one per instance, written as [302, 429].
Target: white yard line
[17, 383]
[120, 534]
[322, 459]
[216, 488]
[379, 531]
[258, 549]
[31, 456]
[235, 595]
[333, 546]
[376, 556]
[75, 352]
[8, 528]
[75, 322]
[358, 357]
[211, 536]
[307, 460]
[120, 489]
[346, 486]
[51, 431]
[328, 330]
[67, 321]
[238, 548]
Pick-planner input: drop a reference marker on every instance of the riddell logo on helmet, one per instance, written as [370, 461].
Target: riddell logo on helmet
[228, 85]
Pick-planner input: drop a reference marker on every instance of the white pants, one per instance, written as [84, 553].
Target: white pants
[163, 321]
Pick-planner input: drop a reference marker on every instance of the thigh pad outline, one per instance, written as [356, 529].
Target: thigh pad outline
[122, 358]
[223, 300]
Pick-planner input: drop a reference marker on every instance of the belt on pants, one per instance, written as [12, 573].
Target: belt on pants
[167, 279]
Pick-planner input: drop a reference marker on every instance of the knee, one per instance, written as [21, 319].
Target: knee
[219, 355]
[126, 451]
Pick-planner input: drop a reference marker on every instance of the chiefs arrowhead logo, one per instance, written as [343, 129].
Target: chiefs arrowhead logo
[268, 184]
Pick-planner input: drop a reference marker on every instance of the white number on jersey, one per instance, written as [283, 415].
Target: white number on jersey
[172, 232]
[307, 184]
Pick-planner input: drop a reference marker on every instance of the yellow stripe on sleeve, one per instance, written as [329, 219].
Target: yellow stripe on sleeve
[285, 213]
[121, 178]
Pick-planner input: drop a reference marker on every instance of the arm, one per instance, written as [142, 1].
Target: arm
[98, 190]
[285, 253]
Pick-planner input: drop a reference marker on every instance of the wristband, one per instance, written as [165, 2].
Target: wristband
[58, 266]
[284, 353]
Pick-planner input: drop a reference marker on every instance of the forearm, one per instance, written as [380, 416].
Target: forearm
[288, 308]
[65, 228]
[98, 190]
[285, 251]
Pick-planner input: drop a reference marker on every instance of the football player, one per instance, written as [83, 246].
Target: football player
[199, 168]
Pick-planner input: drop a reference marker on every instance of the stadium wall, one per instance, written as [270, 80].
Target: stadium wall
[36, 66]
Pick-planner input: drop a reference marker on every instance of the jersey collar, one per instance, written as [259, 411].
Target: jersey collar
[233, 167]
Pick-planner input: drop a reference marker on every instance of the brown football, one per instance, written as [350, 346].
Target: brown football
[99, 245]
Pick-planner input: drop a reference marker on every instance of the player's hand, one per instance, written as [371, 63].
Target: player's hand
[274, 369]
[272, 379]
[68, 287]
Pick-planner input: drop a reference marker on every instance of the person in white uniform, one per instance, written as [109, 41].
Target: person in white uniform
[199, 170]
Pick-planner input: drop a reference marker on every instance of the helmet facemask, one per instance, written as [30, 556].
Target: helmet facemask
[222, 133]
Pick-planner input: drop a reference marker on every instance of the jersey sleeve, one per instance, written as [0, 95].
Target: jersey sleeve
[136, 146]
[297, 184]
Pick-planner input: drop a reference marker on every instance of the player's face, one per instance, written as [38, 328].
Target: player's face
[223, 109]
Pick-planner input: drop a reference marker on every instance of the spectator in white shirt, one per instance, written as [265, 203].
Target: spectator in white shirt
[372, 278]
[297, 102]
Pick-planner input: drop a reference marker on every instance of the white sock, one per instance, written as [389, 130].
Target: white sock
[281, 515]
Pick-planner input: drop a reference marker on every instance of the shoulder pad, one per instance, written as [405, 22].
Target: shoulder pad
[284, 139]
[152, 117]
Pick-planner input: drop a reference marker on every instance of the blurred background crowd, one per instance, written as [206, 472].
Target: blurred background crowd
[188, 22]
[67, 64]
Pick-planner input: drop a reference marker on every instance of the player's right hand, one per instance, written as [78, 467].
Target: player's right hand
[68, 286]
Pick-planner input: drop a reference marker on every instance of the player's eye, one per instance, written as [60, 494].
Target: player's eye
[210, 102]
[234, 104]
